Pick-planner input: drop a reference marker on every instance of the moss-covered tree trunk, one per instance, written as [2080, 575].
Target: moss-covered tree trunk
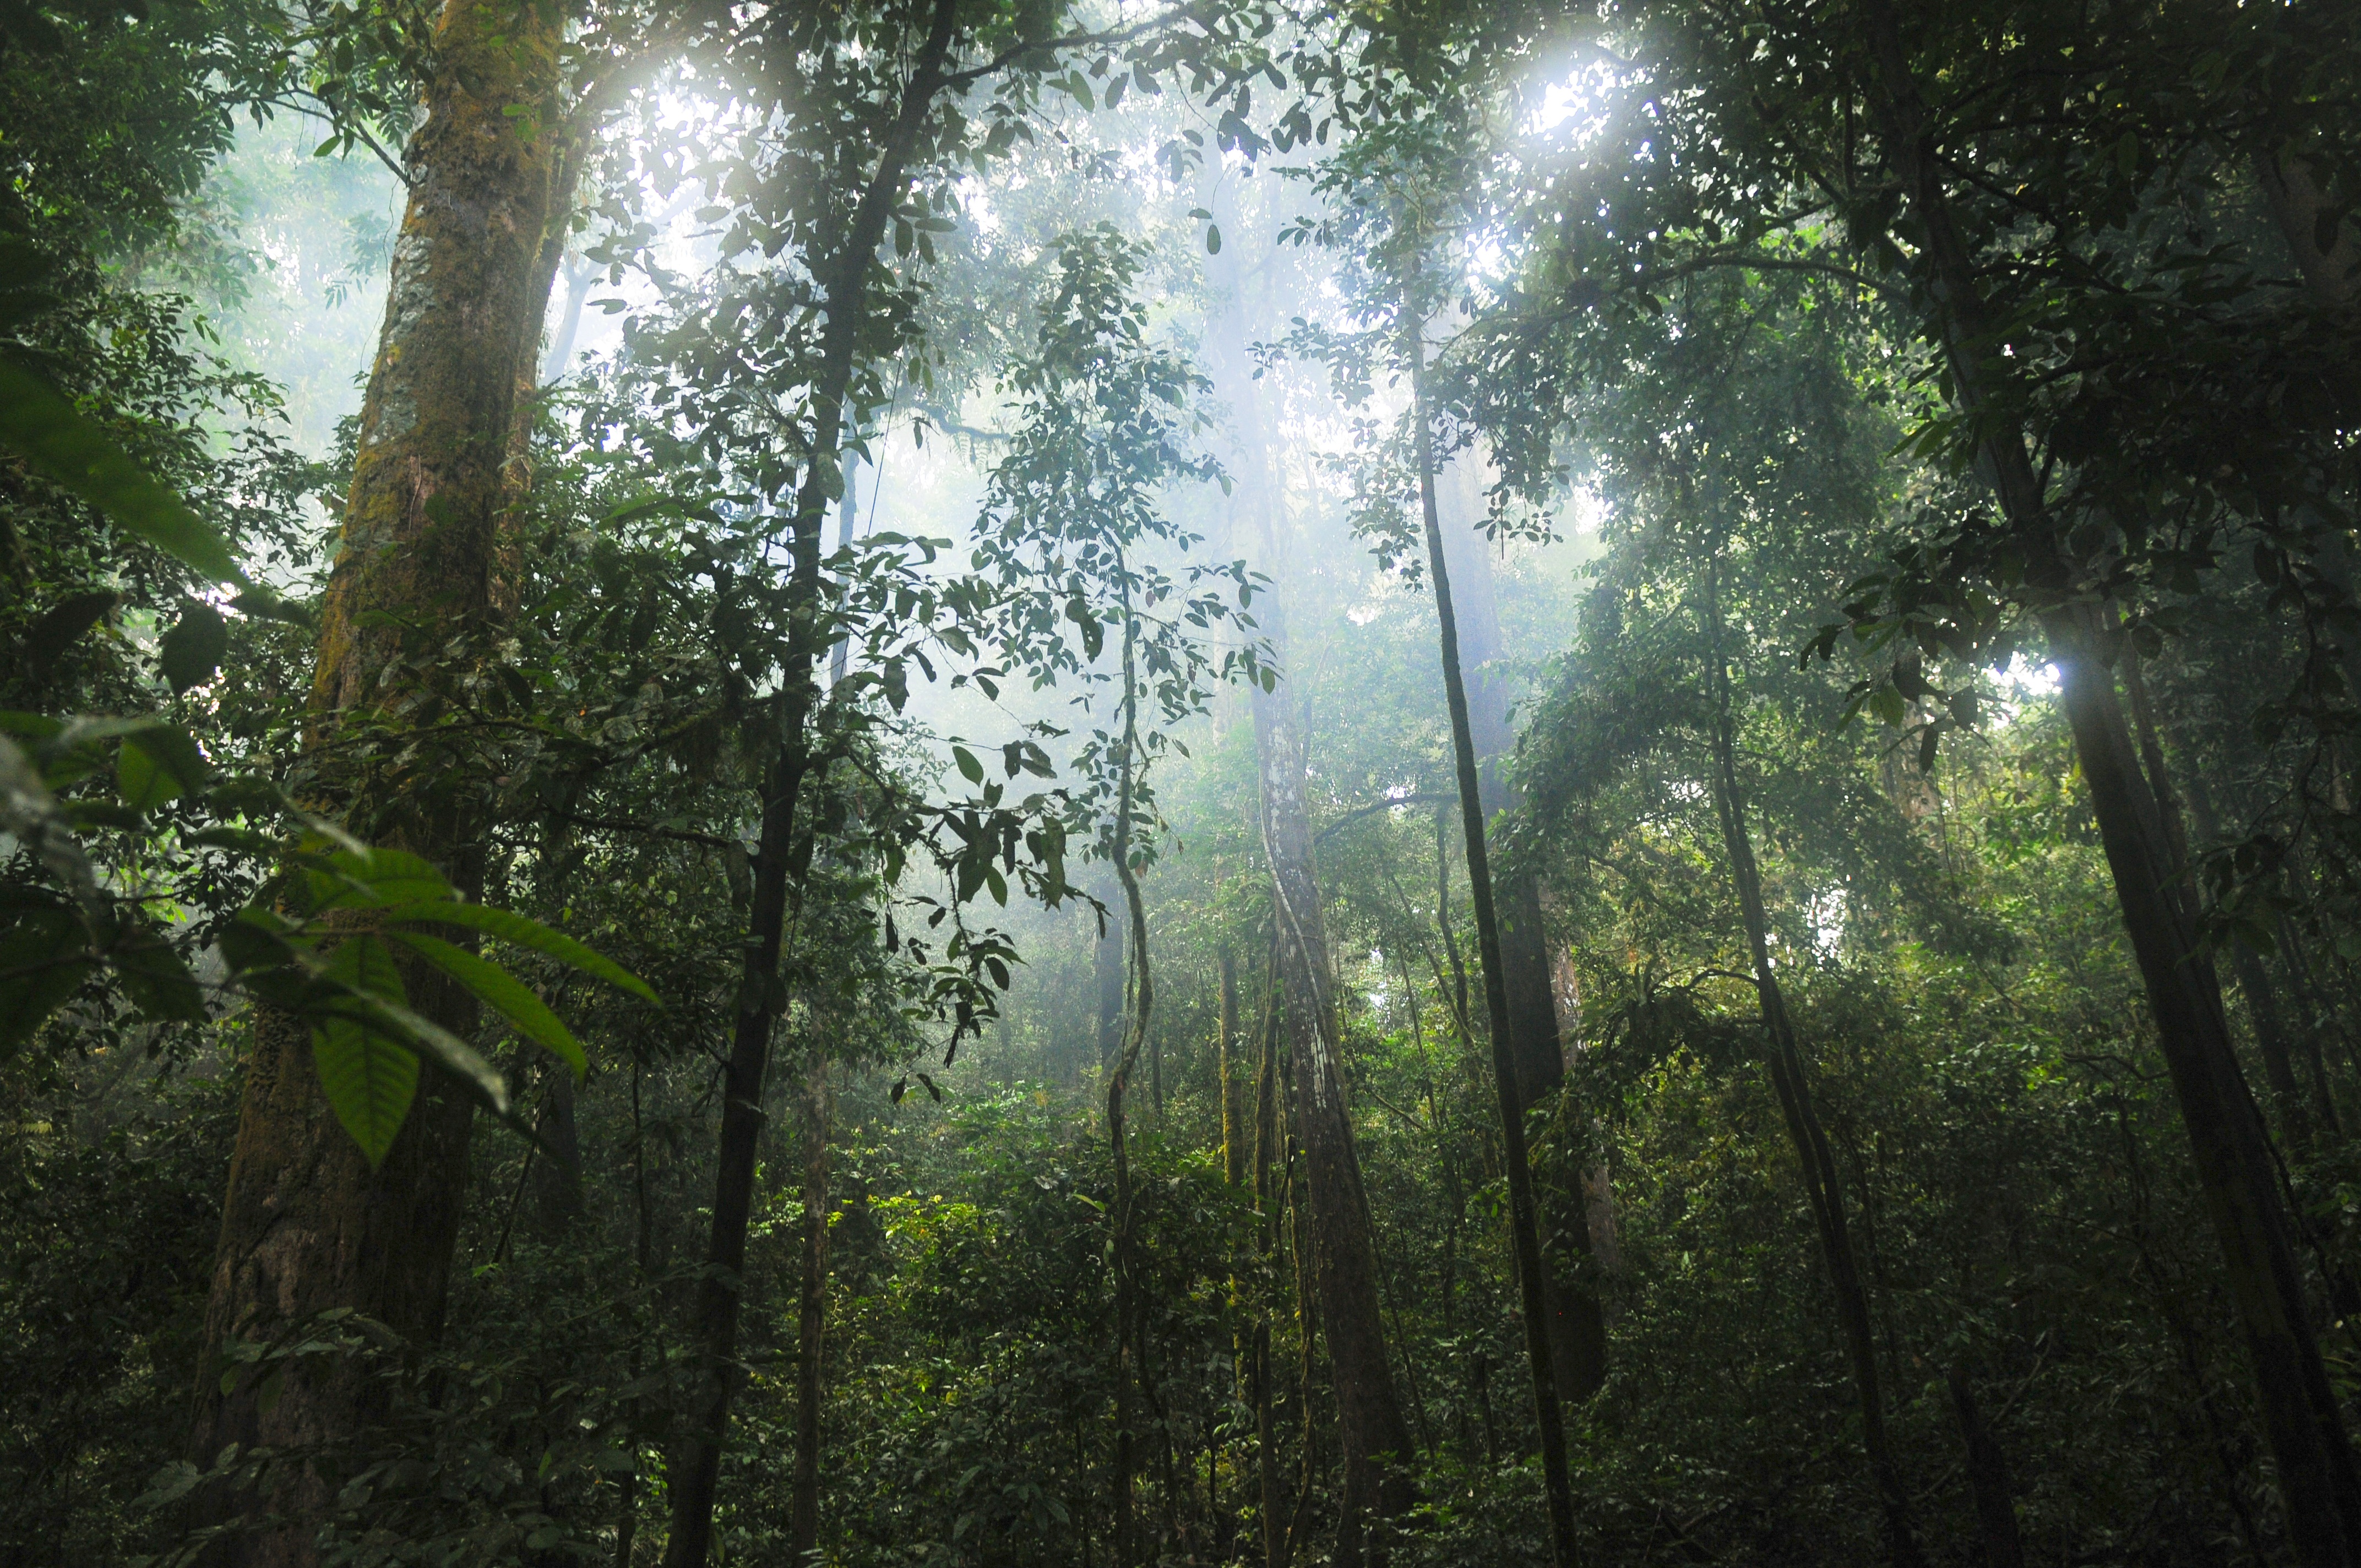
[307, 1225]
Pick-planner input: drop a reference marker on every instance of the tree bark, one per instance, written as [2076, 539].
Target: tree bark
[1372, 1435]
[2318, 1483]
[1988, 1482]
[1141, 995]
[695, 1471]
[1234, 1133]
[1524, 1222]
[1342, 1275]
[1789, 1080]
[811, 1315]
[1271, 1502]
[306, 1225]
[1577, 1326]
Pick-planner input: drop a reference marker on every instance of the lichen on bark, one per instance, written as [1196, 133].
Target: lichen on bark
[307, 1226]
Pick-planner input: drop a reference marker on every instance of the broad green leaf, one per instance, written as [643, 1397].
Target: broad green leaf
[143, 784]
[524, 933]
[62, 625]
[158, 761]
[968, 767]
[158, 982]
[447, 1051]
[38, 726]
[369, 1081]
[501, 992]
[356, 982]
[368, 1076]
[192, 651]
[55, 440]
[370, 878]
[44, 956]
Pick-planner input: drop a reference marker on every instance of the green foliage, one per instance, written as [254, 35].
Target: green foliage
[1689, 370]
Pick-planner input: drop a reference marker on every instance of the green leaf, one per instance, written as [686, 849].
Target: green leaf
[524, 933]
[502, 992]
[142, 781]
[39, 725]
[64, 622]
[1212, 239]
[968, 767]
[55, 440]
[369, 1081]
[44, 957]
[192, 651]
[370, 878]
[369, 1076]
[156, 980]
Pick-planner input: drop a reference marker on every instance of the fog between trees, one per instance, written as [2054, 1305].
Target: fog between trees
[969, 784]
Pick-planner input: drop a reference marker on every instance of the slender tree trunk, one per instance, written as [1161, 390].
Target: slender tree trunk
[2308, 1030]
[2332, 277]
[696, 1468]
[306, 1225]
[1107, 972]
[1128, 1358]
[2317, 1478]
[2263, 1007]
[1271, 1502]
[1822, 1183]
[1988, 1480]
[1342, 1272]
[556, 1190]
[1235, 1159]
[1372, 1435]
[1523, 1221]
[569, 322]
[1578, 1327]
[811, 1315]
[1234, 1133]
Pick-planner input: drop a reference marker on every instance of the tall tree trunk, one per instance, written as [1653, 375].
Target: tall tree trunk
[1578, 1327]
[2317, 1482]
[2263, 1008]
[1523, 1223]
[1371, 1432]
[811, 1315]
[1789, 1080]
[1988, 1482]
[1271, 1504]
[306, 1225]
[1106, 973]
[1235, 1158]
[1141, 995]
[1373, 1436]
[1234, 1132]
[845, 278]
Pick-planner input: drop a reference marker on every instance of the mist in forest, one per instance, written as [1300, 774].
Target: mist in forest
[974, 784]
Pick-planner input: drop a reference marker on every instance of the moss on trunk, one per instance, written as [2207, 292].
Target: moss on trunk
[307, 1226]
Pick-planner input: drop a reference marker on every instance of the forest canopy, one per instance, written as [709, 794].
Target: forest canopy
[952, 782]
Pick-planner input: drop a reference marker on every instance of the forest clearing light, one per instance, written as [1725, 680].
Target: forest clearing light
[1572, 98]
[854, 811]
[2023, 679]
